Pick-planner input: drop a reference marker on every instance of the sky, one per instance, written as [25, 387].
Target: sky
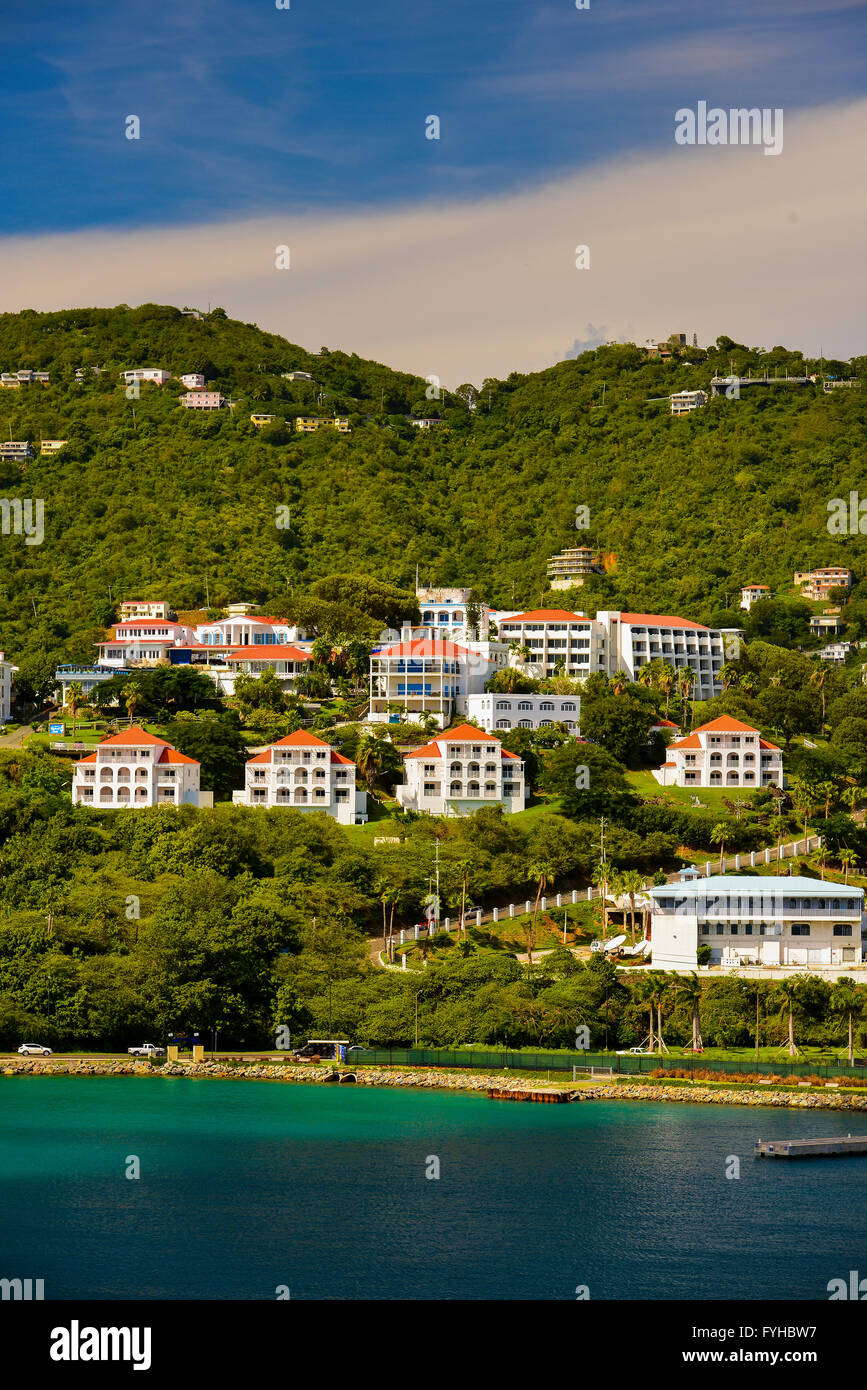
[307, 127]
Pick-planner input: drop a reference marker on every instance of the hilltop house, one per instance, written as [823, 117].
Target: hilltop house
[158, 375]
[460, 771]
[723, 753]
[752, 593]
[816, 585]
[428, 676]
[201, 399]
[135, 768]
[305, 774]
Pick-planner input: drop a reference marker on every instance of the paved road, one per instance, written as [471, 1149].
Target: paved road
[17, 737]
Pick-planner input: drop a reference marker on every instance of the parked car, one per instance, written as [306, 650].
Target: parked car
[34, 1050]
[146, 1050]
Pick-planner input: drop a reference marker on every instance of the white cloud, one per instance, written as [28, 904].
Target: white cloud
[704, 240]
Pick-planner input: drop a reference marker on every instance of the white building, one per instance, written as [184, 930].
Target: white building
[427, 422]
[193, 380]
[135, 768]
[835, 653]
[296, 376]
[429, 676]
[143, 642]
[132, 608]
[242, 629]
[500, 713]
[826, 624]
[559, 641]
[200, 399]
[287, 661]
[751, 593]
[633, 639]
[460, 771]
[746, 920]
[7, 671]
[682, 402]
[51, 446]
[305, 774]
[444, 612]
[570, 568]
[16, 449]
[156, 374]
[723, 753]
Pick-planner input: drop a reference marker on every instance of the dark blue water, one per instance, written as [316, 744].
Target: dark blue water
[246, 1187]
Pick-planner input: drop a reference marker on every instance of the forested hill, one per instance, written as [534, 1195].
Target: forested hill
[148, 499]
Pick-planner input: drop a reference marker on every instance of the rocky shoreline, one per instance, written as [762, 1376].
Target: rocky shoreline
[691, 1094]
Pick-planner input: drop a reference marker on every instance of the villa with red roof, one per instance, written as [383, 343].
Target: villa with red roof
[429, 675]
[305, 774]
[723, 753]
[135, 768]
[460, 771]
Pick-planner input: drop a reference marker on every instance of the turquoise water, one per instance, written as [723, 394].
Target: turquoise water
[247, 1186]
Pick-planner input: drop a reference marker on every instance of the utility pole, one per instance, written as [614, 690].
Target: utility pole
[438, 883]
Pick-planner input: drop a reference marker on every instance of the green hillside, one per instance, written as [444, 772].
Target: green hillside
[151, 500]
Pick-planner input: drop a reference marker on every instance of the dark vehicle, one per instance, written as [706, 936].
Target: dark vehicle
[323, 1050]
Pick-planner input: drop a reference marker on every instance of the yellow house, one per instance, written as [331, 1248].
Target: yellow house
[308, 424]
[260, 420]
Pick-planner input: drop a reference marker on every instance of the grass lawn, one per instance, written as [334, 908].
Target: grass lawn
[510, 933]
[710, 798]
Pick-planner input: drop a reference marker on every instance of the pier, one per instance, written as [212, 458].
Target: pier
[849, 1147]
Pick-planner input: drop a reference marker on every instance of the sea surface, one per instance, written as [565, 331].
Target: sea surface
[250, 1190]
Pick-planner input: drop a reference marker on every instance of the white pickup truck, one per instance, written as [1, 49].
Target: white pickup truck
[146, 1050]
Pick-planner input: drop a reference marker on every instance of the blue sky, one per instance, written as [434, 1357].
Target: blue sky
[247, 110]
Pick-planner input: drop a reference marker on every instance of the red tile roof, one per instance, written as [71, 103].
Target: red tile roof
[135, 737]
[171, 755]
[423, 647]
[300, 739]
[660, 620]
[545, 615]
[466, 733]
[726, 725]
[271, 650]
[691, 741]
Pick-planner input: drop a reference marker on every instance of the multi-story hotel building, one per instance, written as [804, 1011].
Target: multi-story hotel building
[569, 569]
[303, 773]
[500, 713]
[135, 768]
[424, 675]
[460, 771]
[723, 753]
[636, 638]
[558, 641]
[745, 920]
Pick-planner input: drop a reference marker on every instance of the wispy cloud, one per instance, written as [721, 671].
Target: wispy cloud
[696, 240]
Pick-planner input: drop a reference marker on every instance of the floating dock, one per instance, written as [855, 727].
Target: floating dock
[849, 1147]
[541, 1097]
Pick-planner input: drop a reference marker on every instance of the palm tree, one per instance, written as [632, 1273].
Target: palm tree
[131, 696]
[686, 687]
[543, 872]
[788, 993]
[630, 883]
[691, 990]
[818, 679]
[825, 790]
[729, 675]
[660, 989]
[464, 868]
[667, 681]
[619, 682]
[602, 878]
[848, 860]
[853, 795]
[847, 1001]
[718, 836]
[748, 683]
[804, 795]
[75, 698]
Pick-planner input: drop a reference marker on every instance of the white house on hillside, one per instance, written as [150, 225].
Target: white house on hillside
[7, 671]
[460, 771]
[723, 753]
[305, 774]
[429, 676]
[135, 768]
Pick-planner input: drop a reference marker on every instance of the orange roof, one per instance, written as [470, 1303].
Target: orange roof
[726, 725]
[691, 741]
[136, 737]
[659, 620]
[271, 650]
[763, 743]
[466, 733]
[91, 758]
[171, 755]
[666, 724]
[423, 647]
[755, 586]
[430, 750]
[300, 739]
[545, 615]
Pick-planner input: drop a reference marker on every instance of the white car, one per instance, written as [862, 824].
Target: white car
[34, 1050]
[146, 1050]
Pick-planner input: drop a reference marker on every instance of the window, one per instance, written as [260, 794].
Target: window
[800, 929]
[842, 929]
